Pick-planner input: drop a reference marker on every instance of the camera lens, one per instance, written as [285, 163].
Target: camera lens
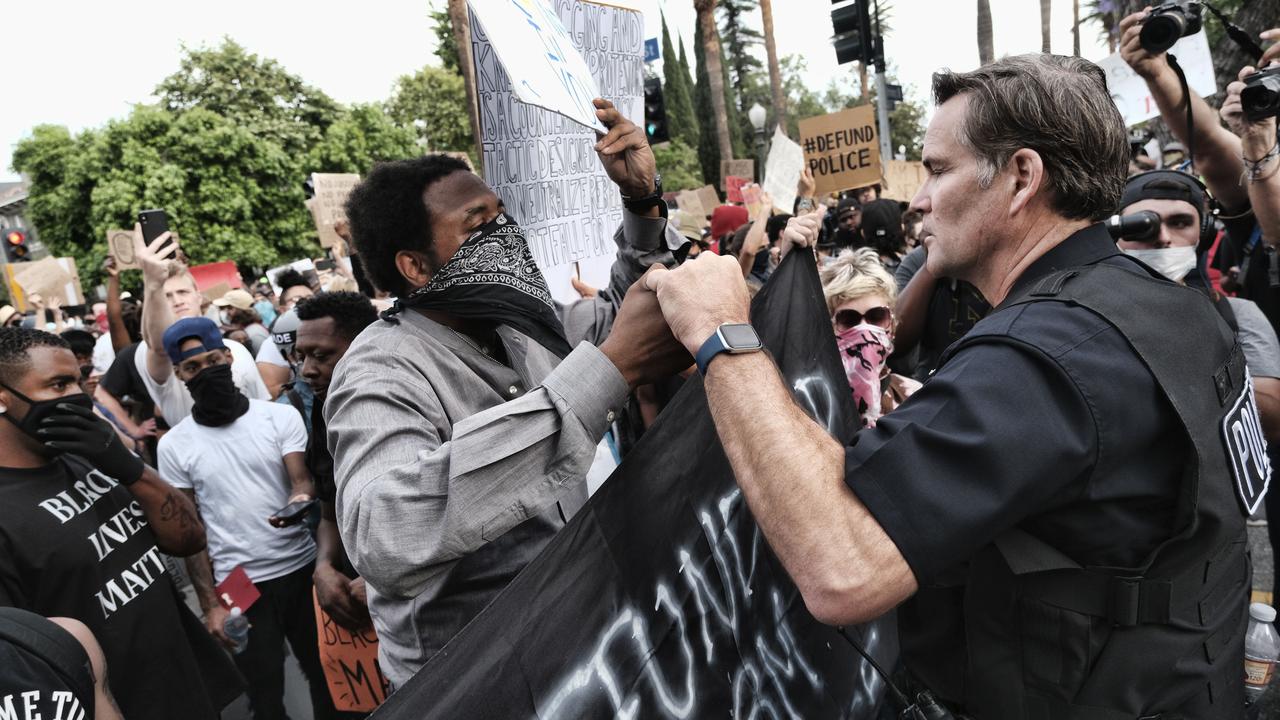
[1160, 32]
[1260, 98]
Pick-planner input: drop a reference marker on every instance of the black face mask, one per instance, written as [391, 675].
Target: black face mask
[38, 410]
[218, 401]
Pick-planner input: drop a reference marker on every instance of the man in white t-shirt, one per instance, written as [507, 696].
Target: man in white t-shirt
[242, 461]
[170, 294]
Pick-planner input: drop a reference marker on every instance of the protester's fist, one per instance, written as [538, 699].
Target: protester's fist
[624, 151]
[802, 230]
[1143, 63]
[1233, 113]
[109, 266]
[698, 297]
[153, 258]
[640, 344]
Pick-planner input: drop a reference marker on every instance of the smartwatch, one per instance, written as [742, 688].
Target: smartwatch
[733, 338]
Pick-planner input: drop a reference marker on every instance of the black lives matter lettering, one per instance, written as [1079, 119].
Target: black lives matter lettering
[132, 576]
[544, 166]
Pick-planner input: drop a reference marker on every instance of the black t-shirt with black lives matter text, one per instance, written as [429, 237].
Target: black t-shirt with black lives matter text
[74, 543]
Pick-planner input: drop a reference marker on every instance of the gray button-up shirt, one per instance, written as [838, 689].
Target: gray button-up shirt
[454, 470]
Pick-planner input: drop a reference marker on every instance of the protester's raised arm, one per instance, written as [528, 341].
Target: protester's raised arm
[157, 315]
[1217, 151]
[1260, 157]
[115, 307]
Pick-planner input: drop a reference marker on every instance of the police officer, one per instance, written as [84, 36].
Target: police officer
[1062, 506]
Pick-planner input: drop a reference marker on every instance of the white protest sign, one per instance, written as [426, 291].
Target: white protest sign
[544, 166]
[782, 171]
[544, 64]
[1129, 91]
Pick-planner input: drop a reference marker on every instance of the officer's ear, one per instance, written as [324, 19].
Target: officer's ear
[1026, 169]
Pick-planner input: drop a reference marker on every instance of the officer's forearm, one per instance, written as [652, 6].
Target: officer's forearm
[845, 565]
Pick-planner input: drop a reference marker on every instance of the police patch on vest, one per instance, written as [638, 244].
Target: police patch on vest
[1246, 448]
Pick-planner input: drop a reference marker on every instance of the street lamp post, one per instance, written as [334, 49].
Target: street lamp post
[757, 115]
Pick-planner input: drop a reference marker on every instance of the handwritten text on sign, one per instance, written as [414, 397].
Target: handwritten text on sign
[544, 166]
[545, 67]
[350, 663]
[841, 149]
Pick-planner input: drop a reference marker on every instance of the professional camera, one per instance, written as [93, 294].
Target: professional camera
[1142, 226]
[1168, 23]
[1261, 95]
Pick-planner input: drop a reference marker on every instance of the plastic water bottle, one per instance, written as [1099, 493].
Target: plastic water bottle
[237, 629]
[1261, 649]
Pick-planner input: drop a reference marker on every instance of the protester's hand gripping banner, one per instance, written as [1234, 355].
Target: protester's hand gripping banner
[661, 598]
[542, 163]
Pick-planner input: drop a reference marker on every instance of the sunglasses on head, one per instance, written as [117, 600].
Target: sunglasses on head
[882, 316]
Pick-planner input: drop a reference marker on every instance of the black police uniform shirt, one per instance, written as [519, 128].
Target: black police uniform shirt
[1074, 444]
[74, 543]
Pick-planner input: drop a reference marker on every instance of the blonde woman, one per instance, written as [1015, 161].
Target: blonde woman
[860, 296]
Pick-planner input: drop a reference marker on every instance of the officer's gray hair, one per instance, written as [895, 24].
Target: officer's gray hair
[1057, 106]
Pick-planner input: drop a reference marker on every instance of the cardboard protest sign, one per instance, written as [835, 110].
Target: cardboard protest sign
[350, 664]
[734, 187]
[545, 64]
[49, 278]
[902, 178]
[842, 149]
[660, 598]
[710, 198]
[120, 247]
[328, 205]
[1129, 91]
[736, 168]
[752, 197]
[689, 202]
[544, 166]
[782, 171]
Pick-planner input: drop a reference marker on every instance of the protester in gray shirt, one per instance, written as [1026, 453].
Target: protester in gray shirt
[463, 424]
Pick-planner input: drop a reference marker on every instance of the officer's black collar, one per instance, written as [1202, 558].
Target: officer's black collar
[1083, 247]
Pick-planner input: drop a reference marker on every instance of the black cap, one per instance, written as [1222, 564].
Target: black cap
[1165, 185]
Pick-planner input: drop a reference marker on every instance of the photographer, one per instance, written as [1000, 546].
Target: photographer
[1260, 154]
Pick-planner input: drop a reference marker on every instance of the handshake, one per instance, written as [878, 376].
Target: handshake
[667, 315]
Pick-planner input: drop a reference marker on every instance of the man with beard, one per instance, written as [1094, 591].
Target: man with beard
[82, 525]
[240, 461]
[464, 425]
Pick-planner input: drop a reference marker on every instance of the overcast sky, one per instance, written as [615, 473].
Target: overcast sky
[80, 64]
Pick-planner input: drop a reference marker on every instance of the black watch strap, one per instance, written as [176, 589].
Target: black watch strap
[653, 199]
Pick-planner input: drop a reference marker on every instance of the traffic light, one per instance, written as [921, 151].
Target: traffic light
[15, 245]
[852, 26]
[655, 112]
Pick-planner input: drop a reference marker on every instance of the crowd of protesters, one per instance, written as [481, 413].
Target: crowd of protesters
[404, 456]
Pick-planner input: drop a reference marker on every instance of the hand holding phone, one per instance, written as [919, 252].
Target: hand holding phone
[293, 513]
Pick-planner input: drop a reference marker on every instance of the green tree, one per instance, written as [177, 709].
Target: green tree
[906, 128]
[679, 166]
[433, 103]
[256, 93]
[739, 40]
[446, 45]
[363, 136]
[678, 94]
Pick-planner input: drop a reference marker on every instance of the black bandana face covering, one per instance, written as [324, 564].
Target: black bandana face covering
[493, 277]
[218, 401]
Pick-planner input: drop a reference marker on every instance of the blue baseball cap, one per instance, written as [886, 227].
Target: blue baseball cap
[198, 328]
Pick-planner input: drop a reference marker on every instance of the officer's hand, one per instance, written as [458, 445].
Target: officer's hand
[698, 297]
[1146, 65]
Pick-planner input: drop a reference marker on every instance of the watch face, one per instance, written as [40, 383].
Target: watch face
[740, 337]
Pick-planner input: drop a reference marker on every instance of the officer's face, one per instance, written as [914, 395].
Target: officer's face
[1179, 224]
[958, 214]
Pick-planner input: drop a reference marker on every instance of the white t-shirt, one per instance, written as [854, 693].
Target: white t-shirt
[270, 354]
[104, 353]
[173, 398]
[239, 478]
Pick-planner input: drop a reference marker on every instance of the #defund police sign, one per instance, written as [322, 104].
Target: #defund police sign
[842, 149]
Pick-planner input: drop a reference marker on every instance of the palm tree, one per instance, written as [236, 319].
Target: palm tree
[986, 53]
[462, 40]
[1046, 8]
[1075, 27]
[715, 73]
[775, 74]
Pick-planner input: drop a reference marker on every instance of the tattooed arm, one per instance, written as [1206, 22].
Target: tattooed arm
[171, 513]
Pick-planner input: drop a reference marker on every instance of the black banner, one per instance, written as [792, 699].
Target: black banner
[661, 599]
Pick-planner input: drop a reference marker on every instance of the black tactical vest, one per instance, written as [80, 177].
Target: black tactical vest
[1051, 640]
